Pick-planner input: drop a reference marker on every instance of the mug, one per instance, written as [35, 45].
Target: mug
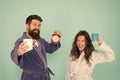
[29, 42]
[95, 37]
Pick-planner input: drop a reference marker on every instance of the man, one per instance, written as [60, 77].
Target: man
[34, 62]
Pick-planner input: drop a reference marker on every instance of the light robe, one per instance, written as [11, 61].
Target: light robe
[80, 70]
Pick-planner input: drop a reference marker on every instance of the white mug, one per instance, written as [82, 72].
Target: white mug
[29, 42]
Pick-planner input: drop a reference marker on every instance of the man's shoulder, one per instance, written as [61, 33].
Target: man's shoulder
[20, 39]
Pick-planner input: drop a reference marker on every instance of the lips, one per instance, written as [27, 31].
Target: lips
[35, 31]
[80, 47]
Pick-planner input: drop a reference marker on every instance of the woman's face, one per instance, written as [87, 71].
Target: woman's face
[81, 43]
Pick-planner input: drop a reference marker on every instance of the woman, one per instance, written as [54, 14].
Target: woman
[83, 57]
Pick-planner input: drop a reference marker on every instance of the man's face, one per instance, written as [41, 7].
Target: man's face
[34, 29]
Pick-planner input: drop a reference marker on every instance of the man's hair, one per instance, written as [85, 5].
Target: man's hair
[31, 17]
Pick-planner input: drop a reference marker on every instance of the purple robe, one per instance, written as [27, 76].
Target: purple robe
[34, 62]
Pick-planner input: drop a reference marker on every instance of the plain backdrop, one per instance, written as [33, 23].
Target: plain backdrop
[68, 16]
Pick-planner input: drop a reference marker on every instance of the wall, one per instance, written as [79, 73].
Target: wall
[69, 16]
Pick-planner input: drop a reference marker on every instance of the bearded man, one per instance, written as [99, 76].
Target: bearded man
[34, 61]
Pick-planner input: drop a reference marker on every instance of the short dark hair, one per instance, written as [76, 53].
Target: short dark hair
[31, 17]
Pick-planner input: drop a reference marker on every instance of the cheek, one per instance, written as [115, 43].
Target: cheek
[80, 43]
[81, 46]
[84, 44]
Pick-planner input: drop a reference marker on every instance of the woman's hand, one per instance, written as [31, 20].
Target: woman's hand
[100, 40]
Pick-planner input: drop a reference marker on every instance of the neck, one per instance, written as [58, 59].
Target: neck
[29, 35]
[81, 51]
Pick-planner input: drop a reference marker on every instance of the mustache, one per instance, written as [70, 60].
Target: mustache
[35, 30]
[34, 33]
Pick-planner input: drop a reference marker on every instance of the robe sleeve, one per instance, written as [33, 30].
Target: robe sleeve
[106, 55]
[68, 74]
[18, 60]
[49, 47]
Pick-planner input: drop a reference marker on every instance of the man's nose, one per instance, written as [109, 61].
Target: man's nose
[36, 27]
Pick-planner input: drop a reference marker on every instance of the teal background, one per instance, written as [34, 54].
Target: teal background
[68, 16]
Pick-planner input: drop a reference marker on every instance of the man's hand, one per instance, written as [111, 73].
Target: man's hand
[57, 32]
[23, 48]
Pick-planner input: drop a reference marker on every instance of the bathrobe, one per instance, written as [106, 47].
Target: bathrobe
[80, 70]
[34, 62]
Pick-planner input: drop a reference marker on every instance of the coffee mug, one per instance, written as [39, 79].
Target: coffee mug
[29, 42]
[95, 37]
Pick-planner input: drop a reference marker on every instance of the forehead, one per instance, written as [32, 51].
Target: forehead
[81, 37]
[35, 21]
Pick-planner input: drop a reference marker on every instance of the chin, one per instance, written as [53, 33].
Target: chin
[81, 50]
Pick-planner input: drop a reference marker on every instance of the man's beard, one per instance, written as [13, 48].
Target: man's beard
[34, 34]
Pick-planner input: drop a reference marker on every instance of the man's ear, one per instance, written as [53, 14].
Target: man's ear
[27, 26]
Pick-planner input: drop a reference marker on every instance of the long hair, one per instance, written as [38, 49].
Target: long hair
[75, 53]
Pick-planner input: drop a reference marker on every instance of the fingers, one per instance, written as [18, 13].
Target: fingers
[58, 33]
[100, 40]
[23, 48]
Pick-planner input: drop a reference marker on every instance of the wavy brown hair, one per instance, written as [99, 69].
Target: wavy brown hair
[75, 53]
